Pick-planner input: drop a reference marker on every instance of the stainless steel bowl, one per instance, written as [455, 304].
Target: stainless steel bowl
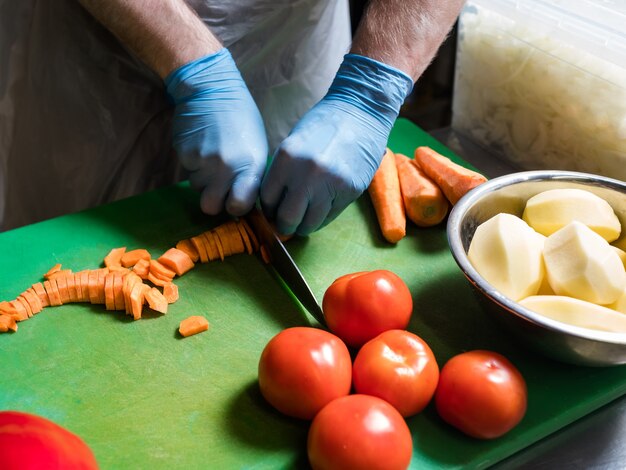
[509, 193]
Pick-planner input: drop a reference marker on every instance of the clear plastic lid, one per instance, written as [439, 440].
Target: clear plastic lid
[597, 26]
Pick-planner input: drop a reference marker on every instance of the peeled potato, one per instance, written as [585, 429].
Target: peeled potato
[580, 263]
[576, 312]
[552, 210]
[620, 304]
[507, 253]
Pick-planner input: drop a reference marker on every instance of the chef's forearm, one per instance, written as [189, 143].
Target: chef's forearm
[405, 34]
[164, 34]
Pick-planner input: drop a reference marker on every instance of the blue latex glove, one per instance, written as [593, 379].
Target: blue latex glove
[331, 155]
[218, 133]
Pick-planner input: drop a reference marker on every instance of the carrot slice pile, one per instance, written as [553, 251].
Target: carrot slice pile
[193, 325]
[131, 279]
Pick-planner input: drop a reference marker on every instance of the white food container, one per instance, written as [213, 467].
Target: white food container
[542, 84]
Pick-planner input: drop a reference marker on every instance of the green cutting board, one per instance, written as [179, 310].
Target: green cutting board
[142, 397]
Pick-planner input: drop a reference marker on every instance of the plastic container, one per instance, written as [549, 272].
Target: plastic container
[543, 84]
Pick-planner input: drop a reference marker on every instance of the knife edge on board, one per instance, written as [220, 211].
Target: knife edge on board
[283, 263]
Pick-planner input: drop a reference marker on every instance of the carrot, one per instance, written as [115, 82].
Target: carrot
[60, 273]
[84, 284]
[131, 257]
[142, 268]
[32, 300]
[199, 245]
[384, 191]
[193, 325]
[109, 293]
[176, 260]
[114, 258]
[22, 311]
[52, 270]
[118, 285]
[254, 241]
[156, 300]
[453, 179]
[41, 293]
[7, 322]
[245, 237]
[170, 292]
[53, 292]
[136, 297]
[187, 247]
[210, 245]
[424, 202]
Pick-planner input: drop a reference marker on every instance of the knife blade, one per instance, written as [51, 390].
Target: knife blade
[283, 263]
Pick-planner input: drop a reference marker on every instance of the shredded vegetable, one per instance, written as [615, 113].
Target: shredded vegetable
[538, 100]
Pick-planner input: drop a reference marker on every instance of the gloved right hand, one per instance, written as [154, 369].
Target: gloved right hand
[218, 133]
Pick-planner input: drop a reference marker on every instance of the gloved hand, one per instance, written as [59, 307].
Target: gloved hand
[218, 133]
[331, 155]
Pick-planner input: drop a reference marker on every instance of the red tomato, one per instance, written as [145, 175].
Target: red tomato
[30, 442]
[481, 393]
[359, 432]
[398, 367]
[357, 307]
[302, 369]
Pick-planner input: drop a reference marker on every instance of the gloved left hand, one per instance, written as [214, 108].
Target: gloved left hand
[331, 155]
[218, 133]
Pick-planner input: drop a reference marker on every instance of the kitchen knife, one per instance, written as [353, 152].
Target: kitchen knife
[283, 263]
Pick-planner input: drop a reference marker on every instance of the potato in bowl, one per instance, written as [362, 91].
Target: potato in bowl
[545, 332]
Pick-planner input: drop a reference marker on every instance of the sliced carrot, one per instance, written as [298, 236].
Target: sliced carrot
[71, 287]
[131, 257]
[187, 247]
[251, 235]
[53, 292]
[384, 191]
[453, 179]
[6, 308]
[84, 284]
[78, 286]
[198, 243]
[211, 245]
[176, 260]
[156, 300]
[52, 270]
[161, 271]
[137, 294]
[129, 283]
[7, 322]
[170, 292]
[60, 273]
[109, 296]
[114, 258]
[93, 286]
[244, 237]
[102, 273]
[219, 246]
[424, 202]
[142, 268]
[23, 308]
[193, 325]
[265, 255]
[236, 242]
[33, 300]
[62, 285]
[118, 286]
[224, 239]
[41, 293]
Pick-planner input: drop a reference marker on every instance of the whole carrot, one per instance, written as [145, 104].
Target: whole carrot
[384, 191]
[424, 202]
[453, 179]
